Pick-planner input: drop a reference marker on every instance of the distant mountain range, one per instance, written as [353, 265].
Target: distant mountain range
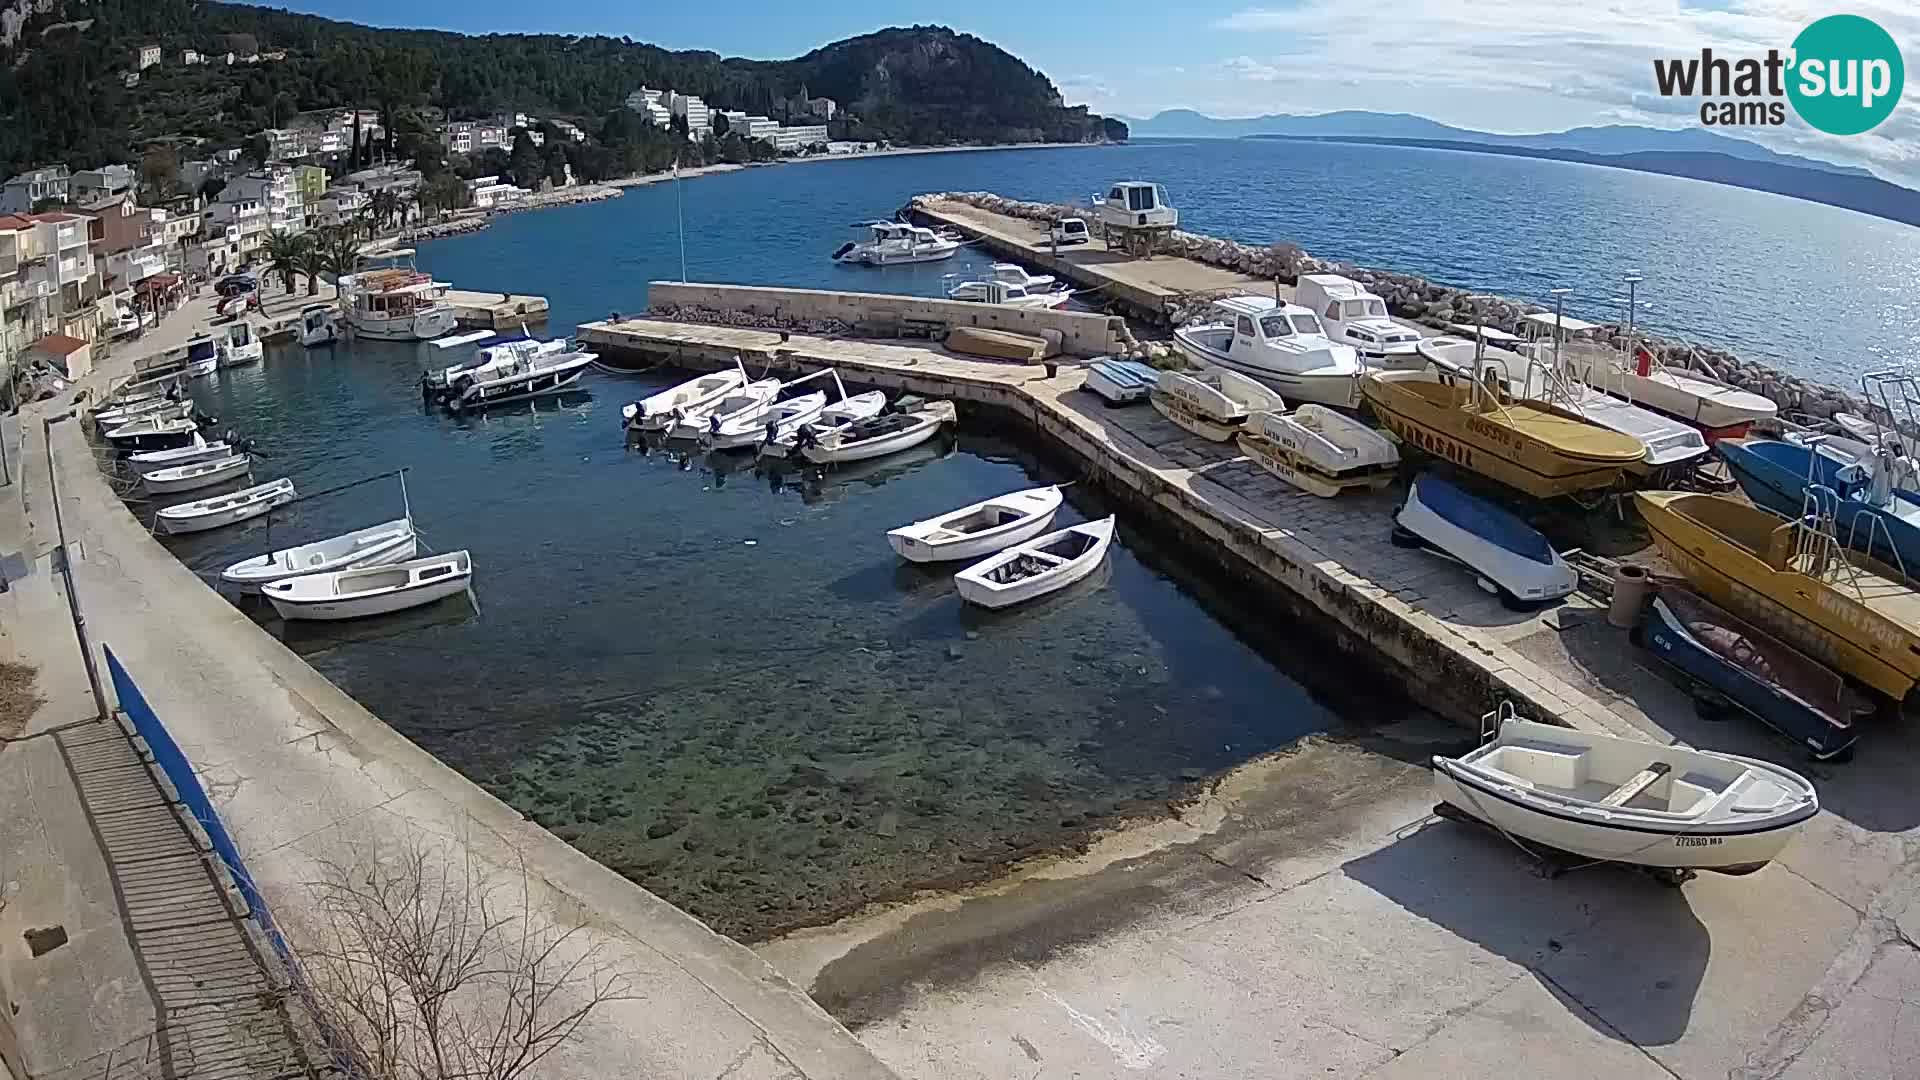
[1690, 152]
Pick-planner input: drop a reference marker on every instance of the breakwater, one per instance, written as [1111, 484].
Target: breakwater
[570, 196]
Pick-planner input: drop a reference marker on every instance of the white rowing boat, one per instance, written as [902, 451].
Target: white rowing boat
[1628, 801]
[693, 421]
[835, 417]
[661, 410]
[981, 529]
[197, 450]
[153, 434]
[1319, 450]
[771, 422]
[1211, 402]
[371, 590]
[221, 510]
[196, 475]
[376, 545]
[877, 437]
[1037, 567]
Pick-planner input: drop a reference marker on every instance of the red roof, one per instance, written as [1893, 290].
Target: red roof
[59, 345]
[14, 221]
[55, 217]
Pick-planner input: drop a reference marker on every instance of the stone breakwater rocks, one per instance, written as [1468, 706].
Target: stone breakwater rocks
[1419, 300]
[747, 320]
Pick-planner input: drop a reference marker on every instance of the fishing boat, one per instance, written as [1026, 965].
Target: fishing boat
[203, 355]
[1036, 567]
[222, 510]
[240, 346]
[1281, 345]
[891, 243]
[512, 371]
[1512, 559]
[396, 302]
[1760, 675]
[1009, 295]
[658, 412]
[835, 417]
[772, 422]
[1795, 580]
[981, 529]
[1473, 422]
[370, 590]
[877, 436]
[153, 433]
[1628, 801]
[1870, 515]
[198, 449]
[1212, 402]
[316, 325]
[1121, 382]
[376, 545]
[196, 475]
[694, 420]
[1318, 450]
[1356, 317]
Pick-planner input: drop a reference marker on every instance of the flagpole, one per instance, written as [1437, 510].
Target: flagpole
[680, 212]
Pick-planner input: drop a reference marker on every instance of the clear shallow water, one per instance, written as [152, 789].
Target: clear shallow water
[1822, 292]
[717, 678]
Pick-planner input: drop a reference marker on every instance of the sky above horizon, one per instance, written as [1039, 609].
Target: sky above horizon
[1535, 65]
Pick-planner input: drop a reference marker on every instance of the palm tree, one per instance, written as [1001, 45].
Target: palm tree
[283, 252]
[313, 263]
[340, 249]
[384, 204]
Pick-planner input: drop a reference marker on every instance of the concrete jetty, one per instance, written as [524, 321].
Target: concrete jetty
[496, 310]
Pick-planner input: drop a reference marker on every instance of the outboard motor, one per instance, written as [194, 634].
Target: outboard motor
[630, 412]
[202, 420]
[713, 425]
[773, 430]
[805, 437]
[842, 252]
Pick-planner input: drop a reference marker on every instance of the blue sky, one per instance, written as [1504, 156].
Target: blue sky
[1510, 66]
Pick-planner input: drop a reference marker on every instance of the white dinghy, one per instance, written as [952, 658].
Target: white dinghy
[877, 437]
[197, 450]
[771, 423]
[376, 545]
[197, 475]
[659, 412]
[1211, 402]
[981, 529]
[1628, 801]
[838, 416]
[221, 510]
[1037, 567]
[1320, 451]
[693, 421]
[152, 409]
[370, 590]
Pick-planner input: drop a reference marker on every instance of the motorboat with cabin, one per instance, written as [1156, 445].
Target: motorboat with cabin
[891, 243]
[1212, 402]
[509, 371]
[317, 325]
[1353, 316]
[1319, 450]
[396, 302]
[239, 345]
[203, 355]
[1034, 568]
[1510, 558]
[1008, 294]
[983, 528]
[1282, 345]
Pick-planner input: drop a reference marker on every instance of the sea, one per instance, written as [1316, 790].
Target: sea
[711, 673]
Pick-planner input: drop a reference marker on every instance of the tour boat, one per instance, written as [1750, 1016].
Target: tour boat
[513, 371]
[396, 303]
[892, 243]
[203, 355]
[1121, 382]
[375, 545]
[1870, 515]
[240, 346]
[152, 433]
[694, 420]
[1212, 402]
[1036, 567]
[1764, 677]
[771, 422]
[877, 436]
[835, 417]
[1319, 450]
[197, 449]
[658, 412]
[1795, 580]
[981, 529]
[196, 475]
[1010, 295]
[316, 325]
[1281, 345]
[1627, 800]
[226, 509]
[1353, 316]
[370, 590]
[1513, 560]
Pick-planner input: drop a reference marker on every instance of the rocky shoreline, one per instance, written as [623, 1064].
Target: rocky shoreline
[1432, 304]
[587, 193]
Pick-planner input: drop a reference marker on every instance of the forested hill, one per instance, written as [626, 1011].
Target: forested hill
[62, 96]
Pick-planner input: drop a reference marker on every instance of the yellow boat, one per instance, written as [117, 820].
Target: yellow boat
[1795, 580]
[1528, 445]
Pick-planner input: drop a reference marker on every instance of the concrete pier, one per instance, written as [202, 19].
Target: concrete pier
[496, 311]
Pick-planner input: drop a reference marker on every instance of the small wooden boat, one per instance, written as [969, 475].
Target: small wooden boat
[371, 590]
[694, 420]
[838, 416]
[196, 475]
[1628, 801]
[1036, 567]
[1795, 580]
[771, 422]
[1514, 561]
[1760, 675]
[199, 449]
[659, 412]
[875, 437]
[1318, 450]
[222, 510]
[159, 408]
[981, 529]
[376, 545]
[1121, 382]
[154, 434]
[1211, 402]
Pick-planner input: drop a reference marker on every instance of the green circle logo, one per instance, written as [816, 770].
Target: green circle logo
[1847, 75]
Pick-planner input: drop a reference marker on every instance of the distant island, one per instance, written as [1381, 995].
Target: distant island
[1694, 153]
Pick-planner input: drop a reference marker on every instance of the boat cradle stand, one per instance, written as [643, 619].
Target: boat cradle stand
[1551, 862]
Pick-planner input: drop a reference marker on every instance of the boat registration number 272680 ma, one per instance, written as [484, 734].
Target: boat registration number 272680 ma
[1696, 841]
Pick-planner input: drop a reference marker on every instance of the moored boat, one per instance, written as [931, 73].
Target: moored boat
[160, 409]
[371, 590]
[239, 346]
[1628, 801]
[877, 436]
[1212, 402]
[223, 510]
[153, 433]
[1036, 567]
[375, 545]
[1319, 450]
[981, 529]
[198, 449]
[659, 411]
[770, 423]
[692, 421]
[513, 371]
[317, 326]
[395, 302]
[835, 417]
[891, 243]
[196, 475]
[1513, 559]
[1281, 345]
[1121, 382]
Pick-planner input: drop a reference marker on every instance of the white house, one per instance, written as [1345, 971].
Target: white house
[148, 56]
[19, 194]
[698, 115]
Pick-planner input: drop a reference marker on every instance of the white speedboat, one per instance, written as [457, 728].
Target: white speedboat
[375, 545]
[1002, 293]
[981, 529]
[196, 475]
[770, 423]
[316, 325]
[203, 355]
[661, 410]
[891, 243]
[513, 371]
[835, 417]
[1628, 801]
[1319, 450]
[370, 590]
[1356, 317]
[1512, 559]
[1121, 382]
[153, 433]
[222, 510]
[239, 345]
[875, 437]
[198, 449]
[1640, 377]
[1036, 567]
[1281, 345]
[396, 302]
[1211, 402]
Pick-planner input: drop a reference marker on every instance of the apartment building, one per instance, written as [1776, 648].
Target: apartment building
[698, 114]
[790, 139]
[49, 283]
[20, 194]
[276, 189]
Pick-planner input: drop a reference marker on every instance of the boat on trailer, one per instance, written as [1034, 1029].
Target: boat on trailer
[1212, 402]
[1281, 345]
[981, 529]
[876, 437]
[223, 510]
[376, 545]
[1034, 568]
[1512, 559]
[1319, 450]
[1601, 797]
[196, 475]
[371, 590]
[658, 412]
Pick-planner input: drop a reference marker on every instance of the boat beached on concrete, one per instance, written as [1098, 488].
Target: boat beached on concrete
[1034, 568]
[1319, 450]
[1212, 402]
[1512, 559]
[1121, 382]
[1638, 376]
[981, 529]
[1353, 316]
[1281, 345]
[1870, 515]
[371, 590]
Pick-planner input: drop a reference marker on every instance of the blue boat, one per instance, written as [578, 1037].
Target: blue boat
[1775, 475]
[1508, 554]
[1760, 675]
